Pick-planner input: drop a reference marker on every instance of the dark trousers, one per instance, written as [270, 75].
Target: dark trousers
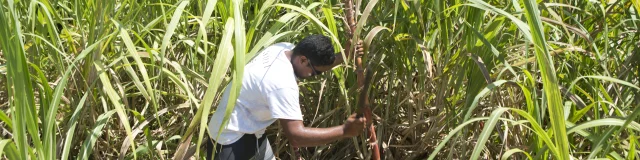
[247, 147]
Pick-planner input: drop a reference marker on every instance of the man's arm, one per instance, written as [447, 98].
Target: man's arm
[301, 136]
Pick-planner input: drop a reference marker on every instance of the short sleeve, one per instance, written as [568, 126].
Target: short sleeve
[284, 104]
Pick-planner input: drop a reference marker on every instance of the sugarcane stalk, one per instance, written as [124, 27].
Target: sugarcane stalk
[349, 28]
[364, 107]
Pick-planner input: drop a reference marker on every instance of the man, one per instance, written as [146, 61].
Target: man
[269, 93]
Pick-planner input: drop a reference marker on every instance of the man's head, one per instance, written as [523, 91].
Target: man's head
[312, 56]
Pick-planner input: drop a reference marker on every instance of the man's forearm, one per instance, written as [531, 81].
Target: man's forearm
[301, 136]
[309, 137]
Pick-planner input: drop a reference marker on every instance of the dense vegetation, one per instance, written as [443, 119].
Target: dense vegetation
[462, 79]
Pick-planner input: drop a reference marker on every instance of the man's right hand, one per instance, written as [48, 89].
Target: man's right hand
[354, 125]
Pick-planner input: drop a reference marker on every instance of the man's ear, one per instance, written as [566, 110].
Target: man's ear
[303, 59]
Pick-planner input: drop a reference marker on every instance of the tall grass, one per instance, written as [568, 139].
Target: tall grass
[476, 79]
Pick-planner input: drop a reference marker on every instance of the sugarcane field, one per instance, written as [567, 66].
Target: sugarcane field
[319, 79]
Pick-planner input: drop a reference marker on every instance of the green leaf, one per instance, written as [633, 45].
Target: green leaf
[96, 132]
[489, 126]
[49, 132]
[549, 80]
[148, 92]
[7, 121]
[633, 142]
[220, 66]
[114, 98]
[10, 151]
[604, 122]
[510, 152]
[451, 134]
[3, 143]
[315, 20]
[71, 128]
[19, 84]
[171, 28]
[270, 37]
[208, 11]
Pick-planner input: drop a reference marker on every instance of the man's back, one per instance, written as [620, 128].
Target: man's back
[269, 92]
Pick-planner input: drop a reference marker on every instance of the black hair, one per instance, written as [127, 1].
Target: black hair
[317, 48]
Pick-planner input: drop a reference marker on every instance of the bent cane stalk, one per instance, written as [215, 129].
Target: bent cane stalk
[364, 107]
[363, 101]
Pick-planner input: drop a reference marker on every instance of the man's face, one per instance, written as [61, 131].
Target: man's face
[304, 68]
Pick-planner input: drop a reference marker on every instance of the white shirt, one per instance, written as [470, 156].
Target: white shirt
[269, 92]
